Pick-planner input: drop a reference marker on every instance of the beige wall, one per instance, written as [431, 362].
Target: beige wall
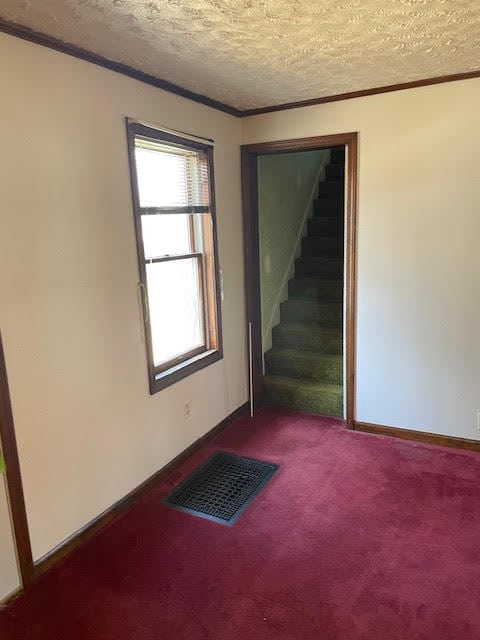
[9, 579]
[88, 431]
[418, 351]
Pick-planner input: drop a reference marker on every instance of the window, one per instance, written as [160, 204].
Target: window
[173, 198]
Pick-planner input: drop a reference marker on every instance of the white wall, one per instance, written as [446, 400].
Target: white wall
[418, 351]
[9, 578]
[88, 432]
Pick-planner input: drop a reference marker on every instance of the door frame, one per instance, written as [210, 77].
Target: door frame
[14, 484]
[249, 164]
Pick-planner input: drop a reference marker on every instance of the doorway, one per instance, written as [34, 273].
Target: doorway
[330, 234]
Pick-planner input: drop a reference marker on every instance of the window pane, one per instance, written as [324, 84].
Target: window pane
[175, 308]
[166, 234]
[161, 178]
[170, 177]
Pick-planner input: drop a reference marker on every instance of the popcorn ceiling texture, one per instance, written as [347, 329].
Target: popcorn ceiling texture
[254, 53]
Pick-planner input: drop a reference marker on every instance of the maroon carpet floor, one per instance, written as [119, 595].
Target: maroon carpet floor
[356, 537]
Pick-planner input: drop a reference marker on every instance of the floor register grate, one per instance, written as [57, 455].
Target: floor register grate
[221, 488]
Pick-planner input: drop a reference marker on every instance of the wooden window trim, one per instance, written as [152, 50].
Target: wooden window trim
[171, 372]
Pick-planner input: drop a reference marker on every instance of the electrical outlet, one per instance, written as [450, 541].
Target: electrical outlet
[186, 409]
[478, 420]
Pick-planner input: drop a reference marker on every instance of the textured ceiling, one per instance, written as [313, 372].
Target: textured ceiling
[254, 53]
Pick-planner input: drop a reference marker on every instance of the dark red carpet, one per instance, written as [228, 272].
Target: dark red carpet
[355, 537]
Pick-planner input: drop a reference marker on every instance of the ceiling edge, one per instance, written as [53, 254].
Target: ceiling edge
[19, 31]
[25, 33]
[468, 75]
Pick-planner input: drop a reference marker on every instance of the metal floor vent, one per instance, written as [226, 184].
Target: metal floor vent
[221, 488]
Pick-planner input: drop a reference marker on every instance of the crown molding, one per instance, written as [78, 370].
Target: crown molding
[19, 31]
[361, 94]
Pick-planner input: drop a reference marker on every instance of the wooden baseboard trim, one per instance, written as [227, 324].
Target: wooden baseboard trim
[10, 598]
[419, 436]
[91, 528]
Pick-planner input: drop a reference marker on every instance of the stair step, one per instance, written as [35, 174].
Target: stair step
[325, 226]
[334, 171]
[337, 156]
[332, 188]
[328, 206]
[310, 312]
[308, 337]
[322, 246]
[319, 266]
[303, 364]
[311, 288]
[314, 397]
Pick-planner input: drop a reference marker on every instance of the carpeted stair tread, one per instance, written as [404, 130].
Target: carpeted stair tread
[331, 188]
[337, 156]
[334, 171]
[322, 266]
[326, 226]
[308, 337]
[315, 246]
[315, 288]
[311, 312]
[328, 206]
[305, 395]
[305, 365]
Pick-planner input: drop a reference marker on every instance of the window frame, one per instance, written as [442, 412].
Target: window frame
[160, 377]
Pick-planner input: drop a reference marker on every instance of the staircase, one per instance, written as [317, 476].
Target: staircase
[304, 368]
